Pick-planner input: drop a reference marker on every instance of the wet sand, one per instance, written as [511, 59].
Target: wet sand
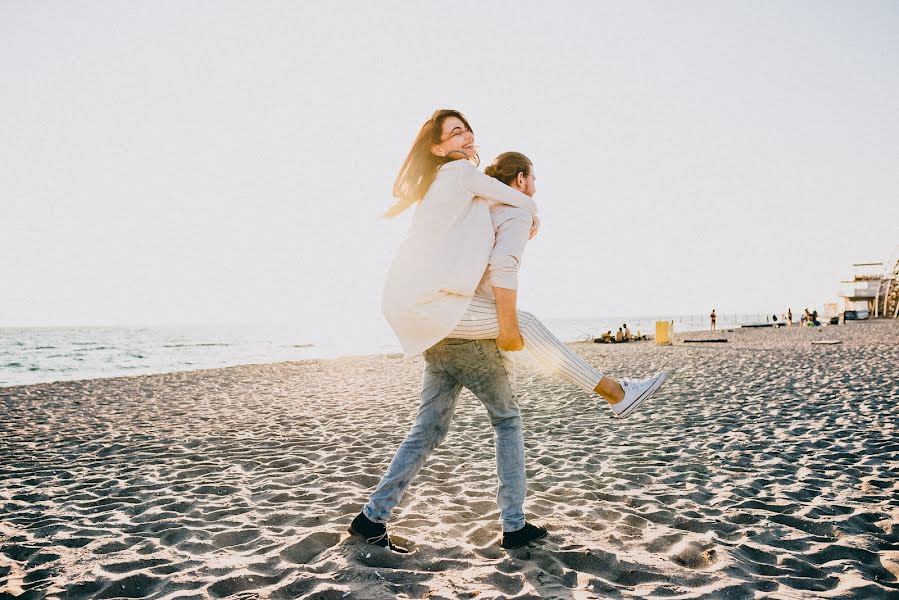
[766, 467]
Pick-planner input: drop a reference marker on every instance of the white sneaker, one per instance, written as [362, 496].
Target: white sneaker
[636, 392]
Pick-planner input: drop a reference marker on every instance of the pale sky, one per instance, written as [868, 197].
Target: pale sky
[203, 162]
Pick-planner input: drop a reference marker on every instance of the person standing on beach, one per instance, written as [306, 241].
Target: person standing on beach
[429, 290]
[789, 317]
[713, 318]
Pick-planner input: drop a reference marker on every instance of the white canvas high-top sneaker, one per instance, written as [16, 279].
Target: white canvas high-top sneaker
[636, 392]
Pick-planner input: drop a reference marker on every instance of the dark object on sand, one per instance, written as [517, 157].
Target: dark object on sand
[758, 325]
[522, 537]
[605, 340]
[712, 341]
[826, 342]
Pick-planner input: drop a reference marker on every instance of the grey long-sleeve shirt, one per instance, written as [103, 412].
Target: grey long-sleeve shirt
[512, 228]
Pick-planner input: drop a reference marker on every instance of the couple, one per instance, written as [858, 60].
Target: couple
[451, 294]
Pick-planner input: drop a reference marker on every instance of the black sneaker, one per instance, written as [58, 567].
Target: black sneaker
[521, 537]
[374, 533]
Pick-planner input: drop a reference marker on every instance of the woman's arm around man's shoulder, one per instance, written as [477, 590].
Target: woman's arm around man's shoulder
[487, 187]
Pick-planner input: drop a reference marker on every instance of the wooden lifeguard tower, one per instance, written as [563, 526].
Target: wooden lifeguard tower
[874, 288]
[859, 294]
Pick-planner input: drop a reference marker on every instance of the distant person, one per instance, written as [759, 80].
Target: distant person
[619, 337]
[713, 318]
[774, 318]
[806, 317]
[627, 334]
[789, 317]
[605, 338]
[815, 318]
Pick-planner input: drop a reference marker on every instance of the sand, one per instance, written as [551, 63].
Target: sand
[766, 467]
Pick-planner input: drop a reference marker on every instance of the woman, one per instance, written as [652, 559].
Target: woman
[430, 290]
[437, 268]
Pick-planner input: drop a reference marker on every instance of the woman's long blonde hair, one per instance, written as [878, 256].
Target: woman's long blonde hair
[421, 165]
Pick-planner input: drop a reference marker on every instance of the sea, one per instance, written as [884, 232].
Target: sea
[30, 355]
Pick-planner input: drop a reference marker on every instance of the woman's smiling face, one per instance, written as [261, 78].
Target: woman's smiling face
[456, 140]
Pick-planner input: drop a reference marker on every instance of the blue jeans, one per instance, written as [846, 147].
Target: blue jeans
[450, 365]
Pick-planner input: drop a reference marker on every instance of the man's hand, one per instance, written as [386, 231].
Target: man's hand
[510, 342]
[535, 225]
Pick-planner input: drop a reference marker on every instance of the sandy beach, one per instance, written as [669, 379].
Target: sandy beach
[768, 466]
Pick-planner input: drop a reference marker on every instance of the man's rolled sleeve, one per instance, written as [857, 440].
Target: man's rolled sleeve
[512, 234]
[503, 278]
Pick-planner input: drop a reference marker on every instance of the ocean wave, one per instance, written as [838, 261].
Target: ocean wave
[192, 345]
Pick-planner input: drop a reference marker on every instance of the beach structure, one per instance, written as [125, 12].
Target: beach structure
[664, 333]
[831, 310]
[873, 290]
[860, 293]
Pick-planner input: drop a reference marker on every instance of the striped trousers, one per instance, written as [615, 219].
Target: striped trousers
[481, 323]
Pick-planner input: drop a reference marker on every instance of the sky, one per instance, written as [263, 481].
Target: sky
[206, 162]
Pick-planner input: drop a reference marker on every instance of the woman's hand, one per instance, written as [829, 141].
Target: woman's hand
[510, 342]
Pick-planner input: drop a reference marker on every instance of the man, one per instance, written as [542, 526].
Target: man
[450, 365]
[713, 318]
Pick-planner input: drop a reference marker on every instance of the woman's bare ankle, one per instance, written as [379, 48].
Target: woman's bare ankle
[610, 389]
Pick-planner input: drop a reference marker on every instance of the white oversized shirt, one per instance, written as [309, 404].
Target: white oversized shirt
[440, 263]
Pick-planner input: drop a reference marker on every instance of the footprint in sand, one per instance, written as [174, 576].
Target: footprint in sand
[696, 555]
[235, 538]
[309, 547]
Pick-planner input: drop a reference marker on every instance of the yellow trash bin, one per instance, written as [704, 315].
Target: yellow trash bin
[664, 333]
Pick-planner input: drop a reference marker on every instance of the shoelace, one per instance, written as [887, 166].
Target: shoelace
[378, 538]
